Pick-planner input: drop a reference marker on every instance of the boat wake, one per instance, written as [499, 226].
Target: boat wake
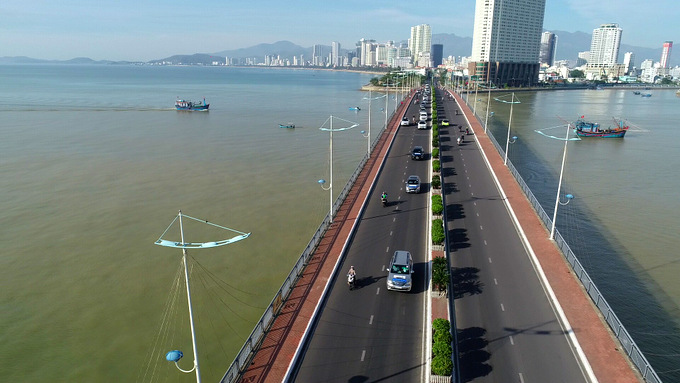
[549, 132]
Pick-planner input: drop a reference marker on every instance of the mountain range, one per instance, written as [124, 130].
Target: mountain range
[569, 44]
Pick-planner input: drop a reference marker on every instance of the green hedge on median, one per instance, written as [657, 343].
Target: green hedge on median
[436, 182]
[437, 232]
[435, 152]
[437, 204]
[440, 281]
[436, 166]
[441, 347]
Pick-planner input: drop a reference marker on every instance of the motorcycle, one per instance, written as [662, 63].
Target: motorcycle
[350, 281]
[384, 200]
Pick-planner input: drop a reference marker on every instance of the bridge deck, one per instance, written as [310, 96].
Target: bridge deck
[272, 360]
[594, 336]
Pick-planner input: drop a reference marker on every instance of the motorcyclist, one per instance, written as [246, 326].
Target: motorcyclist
[383, 196]
[351, 277]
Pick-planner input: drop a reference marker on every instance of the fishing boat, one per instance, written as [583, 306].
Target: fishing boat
[191, 106]
[355, 108]
[287, 126]
[585, 128]
[636, 92]
[646, 95]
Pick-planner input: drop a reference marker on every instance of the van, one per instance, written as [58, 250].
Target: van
[399, 272]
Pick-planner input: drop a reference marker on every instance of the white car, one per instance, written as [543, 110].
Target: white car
[405, 121]
[422, 125]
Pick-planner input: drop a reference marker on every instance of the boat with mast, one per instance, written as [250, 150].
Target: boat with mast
[190, 106]
[176, 355]
[584, 128]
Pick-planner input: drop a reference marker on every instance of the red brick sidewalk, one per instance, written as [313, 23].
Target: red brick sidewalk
[275, 355]
[594, 335]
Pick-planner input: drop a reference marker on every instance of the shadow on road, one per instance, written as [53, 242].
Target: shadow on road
[458, 239]
[367, 281]
[454, 211]
[472, 353]
[465, 281]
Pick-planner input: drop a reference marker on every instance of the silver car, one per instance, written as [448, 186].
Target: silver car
[413, 184]
[399, 273]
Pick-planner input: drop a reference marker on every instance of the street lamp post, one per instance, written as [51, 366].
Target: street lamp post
[507, 143]
[330, 155]
[559, 185]
[370, 98]
[488, 102]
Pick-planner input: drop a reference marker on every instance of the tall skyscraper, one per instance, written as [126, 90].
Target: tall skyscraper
[666, 53]
[507, 34]
[437, 54]
[335, 54]
[317, 55]
[628, 61]
[421, 38]
[547, 52]
[604, 47]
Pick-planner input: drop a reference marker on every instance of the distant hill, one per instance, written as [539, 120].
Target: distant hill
[285, 49]
[569, 44]
[77, 60]
[453, 45]
[195, 59]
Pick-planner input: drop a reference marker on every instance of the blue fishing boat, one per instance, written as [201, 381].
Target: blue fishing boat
[585, 128]
[191, 106]
[355, 108]
[287, 126]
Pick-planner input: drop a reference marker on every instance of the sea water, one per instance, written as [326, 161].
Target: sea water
[95, 163]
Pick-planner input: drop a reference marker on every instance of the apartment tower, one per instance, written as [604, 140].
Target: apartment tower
[547, 52]
[419, 43]
[506, 41]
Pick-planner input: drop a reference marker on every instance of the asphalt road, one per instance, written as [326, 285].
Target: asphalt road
[370, 334]
[507, 328]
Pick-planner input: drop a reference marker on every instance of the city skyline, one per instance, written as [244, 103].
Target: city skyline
[133, 31]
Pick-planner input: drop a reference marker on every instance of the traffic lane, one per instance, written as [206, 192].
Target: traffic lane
[331, 345]
[531, 336]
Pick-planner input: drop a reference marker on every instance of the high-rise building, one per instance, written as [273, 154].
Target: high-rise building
[604, 53]
[420, 41]
[317, 55]
[604, 47]
[546, 54]
[335, 54]
[507, 34]
[366, 52]
[437, 54]
[666, 53]
[628, 61]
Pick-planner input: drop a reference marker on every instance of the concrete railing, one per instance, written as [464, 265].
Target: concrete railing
[242, 359]
[631, 349]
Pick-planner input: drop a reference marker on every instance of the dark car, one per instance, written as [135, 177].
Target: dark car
[417, 153]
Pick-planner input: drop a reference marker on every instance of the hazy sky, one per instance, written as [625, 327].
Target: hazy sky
[143, 30]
